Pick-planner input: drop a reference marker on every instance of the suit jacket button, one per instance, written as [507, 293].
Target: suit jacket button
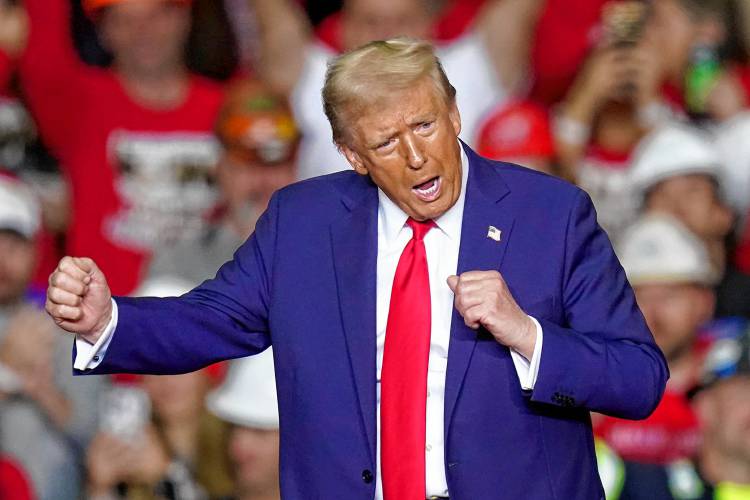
[367, 476]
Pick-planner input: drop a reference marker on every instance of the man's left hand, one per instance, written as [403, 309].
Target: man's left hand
[483, 299]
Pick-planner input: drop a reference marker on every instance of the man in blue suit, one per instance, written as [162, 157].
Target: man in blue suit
[442, 324]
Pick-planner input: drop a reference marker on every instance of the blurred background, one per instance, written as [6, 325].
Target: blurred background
[150, 134]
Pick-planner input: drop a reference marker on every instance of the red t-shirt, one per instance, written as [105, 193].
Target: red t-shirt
[671, 433]
[138, 176]
[13, 482]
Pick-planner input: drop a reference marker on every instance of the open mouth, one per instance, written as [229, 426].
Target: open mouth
[429, 190]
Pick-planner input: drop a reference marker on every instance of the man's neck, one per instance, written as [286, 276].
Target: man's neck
[162, 90]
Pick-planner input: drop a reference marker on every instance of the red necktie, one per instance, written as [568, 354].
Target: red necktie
[403, 378]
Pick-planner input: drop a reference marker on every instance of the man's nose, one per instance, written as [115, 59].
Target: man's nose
[413, 153]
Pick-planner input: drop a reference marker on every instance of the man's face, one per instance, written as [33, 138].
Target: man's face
[17, 260]
[146, 36]
[674, 313]
[694, 200]
[725, 412]
[407, 144]
[255, 456]
[247, 186]
[367, 20]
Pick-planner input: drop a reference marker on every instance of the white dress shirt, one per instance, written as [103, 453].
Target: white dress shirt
[442, 247]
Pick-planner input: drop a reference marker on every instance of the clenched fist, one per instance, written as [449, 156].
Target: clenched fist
[483, 299]
[78, 298]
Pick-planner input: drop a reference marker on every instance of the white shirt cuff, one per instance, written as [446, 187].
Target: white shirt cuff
[529, 370]
[89, 356]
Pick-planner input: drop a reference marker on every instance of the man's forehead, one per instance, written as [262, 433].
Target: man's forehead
[401, 105]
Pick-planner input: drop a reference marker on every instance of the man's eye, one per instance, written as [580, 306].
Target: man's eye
[425, 125]
[384, 144]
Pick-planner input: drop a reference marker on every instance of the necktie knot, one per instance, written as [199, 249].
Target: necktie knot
[420, 228]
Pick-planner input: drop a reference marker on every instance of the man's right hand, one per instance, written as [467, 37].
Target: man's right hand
[79, 299]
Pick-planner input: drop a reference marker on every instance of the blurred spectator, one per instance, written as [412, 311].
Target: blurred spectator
[614, 99]
[260, 140]
[654, 61]
[677, 171]
[157, 440]
[247, 401]
[518, 132]
[485, 65]
[13, 482]
[721, 469]
[702, 56]
[672, 276]
[134, 139]
[732, 144]
[16, 128]
[46, 415]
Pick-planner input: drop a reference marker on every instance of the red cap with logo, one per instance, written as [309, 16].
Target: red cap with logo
[517, 129]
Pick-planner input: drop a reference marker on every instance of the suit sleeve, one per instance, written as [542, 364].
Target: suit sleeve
[605, 358]
[224, 318]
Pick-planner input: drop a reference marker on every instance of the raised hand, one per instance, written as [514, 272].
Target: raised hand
[78, 298]
[14, 28]
[483, 299]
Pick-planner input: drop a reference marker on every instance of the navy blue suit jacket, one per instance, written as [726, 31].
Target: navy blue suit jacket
[305, 282]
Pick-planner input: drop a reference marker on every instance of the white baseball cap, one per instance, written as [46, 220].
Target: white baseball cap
[658, 249]
[671, 150]
[248, 395]
[19, 208]
[732, 143]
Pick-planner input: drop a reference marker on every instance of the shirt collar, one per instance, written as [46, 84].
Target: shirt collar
[393, 219]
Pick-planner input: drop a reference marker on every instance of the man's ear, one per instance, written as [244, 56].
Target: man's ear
[455, 117]
[353, 158]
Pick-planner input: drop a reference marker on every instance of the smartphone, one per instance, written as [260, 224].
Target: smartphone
[623, 22]
[125, 412]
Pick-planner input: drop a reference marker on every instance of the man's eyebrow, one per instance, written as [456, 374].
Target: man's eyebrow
[427, 117]
[380, 138]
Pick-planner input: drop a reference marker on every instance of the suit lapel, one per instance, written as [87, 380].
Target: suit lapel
[484, 207]
[354, 240]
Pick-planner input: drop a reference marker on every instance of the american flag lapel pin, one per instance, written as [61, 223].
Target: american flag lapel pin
[494, 233]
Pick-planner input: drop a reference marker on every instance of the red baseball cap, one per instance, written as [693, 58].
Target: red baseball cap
[515, 130]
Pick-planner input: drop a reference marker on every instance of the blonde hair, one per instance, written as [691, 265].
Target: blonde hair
[359, 77]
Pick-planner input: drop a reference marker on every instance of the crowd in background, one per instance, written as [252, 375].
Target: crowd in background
[149, 135]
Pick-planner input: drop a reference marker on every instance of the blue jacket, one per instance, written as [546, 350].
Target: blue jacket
[305, 281]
